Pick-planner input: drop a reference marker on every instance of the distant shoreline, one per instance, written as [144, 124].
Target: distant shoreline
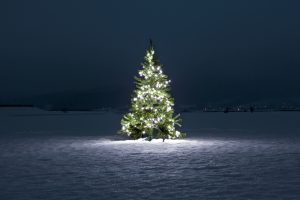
[121, 110]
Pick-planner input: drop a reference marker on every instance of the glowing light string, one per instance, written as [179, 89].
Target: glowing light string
[151, 114]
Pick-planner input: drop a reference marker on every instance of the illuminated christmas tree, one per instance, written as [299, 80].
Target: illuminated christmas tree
[151, 114]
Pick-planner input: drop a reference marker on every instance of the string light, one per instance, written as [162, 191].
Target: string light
[152, 106]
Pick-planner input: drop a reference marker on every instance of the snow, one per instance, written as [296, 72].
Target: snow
[78, 155]
[153, 141]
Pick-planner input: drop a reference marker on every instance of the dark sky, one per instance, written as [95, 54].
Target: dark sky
[212, 50]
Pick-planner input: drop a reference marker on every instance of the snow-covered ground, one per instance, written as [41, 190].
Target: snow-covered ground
[78, 155]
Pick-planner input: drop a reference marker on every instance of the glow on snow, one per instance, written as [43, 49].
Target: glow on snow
[159, 142]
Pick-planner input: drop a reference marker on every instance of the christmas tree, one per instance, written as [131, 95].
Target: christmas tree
[151, 114]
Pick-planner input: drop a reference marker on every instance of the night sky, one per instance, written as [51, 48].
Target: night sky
[213, 51]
